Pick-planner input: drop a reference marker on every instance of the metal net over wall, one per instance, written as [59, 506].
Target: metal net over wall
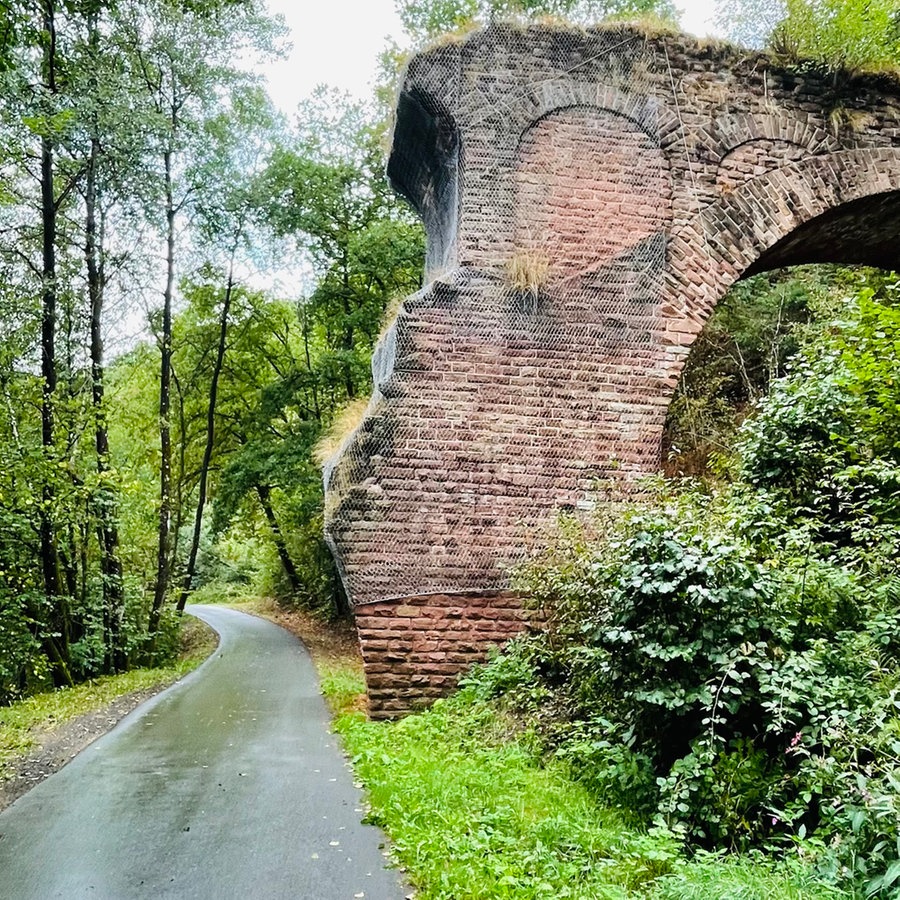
[518, 384]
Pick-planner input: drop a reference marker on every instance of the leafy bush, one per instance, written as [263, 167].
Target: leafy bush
[743, 692]
[21, 662]
[825, 445]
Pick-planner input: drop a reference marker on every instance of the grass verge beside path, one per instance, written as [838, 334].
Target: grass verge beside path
[473, 814]
[23, 724]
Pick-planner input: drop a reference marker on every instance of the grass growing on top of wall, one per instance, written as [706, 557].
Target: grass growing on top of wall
[474, 813]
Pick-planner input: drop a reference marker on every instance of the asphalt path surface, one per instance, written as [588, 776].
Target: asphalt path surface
[227, 785]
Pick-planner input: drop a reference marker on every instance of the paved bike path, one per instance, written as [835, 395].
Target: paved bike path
[227, 785]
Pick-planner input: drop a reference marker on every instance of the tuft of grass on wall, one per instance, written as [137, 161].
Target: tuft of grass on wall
[527, 272]
[344, 424]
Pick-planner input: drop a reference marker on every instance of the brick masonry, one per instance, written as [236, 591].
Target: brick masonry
[647, 173]
[416, 648]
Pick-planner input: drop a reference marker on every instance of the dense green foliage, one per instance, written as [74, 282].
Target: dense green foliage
[724, 661]
[143, 169]
[837, 36]
[474, 811]
[844, 35]
[106, 141]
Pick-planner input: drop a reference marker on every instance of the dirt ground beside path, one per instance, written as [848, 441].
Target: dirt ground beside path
[333, 643]
[58, 744]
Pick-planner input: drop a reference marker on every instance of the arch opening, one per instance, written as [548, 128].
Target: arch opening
[864, 232]
[424, 167]
[756, 329]
[767, 294]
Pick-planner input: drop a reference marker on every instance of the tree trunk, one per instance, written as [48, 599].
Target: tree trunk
[165, 389]
[105, 502]
[210, 438]
[348, 333]
[178, 483]
[264, 493]
[58, 650]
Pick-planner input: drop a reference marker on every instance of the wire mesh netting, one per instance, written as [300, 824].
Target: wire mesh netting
[520, 381]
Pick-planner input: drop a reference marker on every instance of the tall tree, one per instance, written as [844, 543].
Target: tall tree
[95, 262]
[235, 145]
[185, 53]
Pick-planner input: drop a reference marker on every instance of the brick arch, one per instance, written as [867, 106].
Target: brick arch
[553, 96]
[842, 207]
[723, 134]
[753, 158]
[590, 185]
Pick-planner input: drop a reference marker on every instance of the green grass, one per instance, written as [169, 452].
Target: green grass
[717, 877]
[20, 722]
[343, 687]
[474, 815]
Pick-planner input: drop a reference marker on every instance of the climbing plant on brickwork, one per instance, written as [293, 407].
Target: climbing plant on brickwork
[838, 34]
[842, 34]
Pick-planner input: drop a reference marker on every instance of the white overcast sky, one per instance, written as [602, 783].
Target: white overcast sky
[337, 42]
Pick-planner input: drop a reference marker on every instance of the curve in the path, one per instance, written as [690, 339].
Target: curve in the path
[227, 785]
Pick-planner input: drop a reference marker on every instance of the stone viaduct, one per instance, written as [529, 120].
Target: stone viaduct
[588, 196]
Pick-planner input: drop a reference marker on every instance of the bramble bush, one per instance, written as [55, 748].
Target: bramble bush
[725, 663]
[738, 700]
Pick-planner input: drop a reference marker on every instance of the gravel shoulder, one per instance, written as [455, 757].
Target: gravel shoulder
[58, 744]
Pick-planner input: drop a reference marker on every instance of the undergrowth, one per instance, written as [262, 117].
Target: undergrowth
[475, 812]
[343, 686]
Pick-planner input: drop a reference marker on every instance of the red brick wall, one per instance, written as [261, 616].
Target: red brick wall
[653, 171]
[415, 648]
[755, 158]
[590, 185]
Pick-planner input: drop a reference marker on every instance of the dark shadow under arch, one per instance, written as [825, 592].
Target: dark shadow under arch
[424, 167]
[862, 232]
